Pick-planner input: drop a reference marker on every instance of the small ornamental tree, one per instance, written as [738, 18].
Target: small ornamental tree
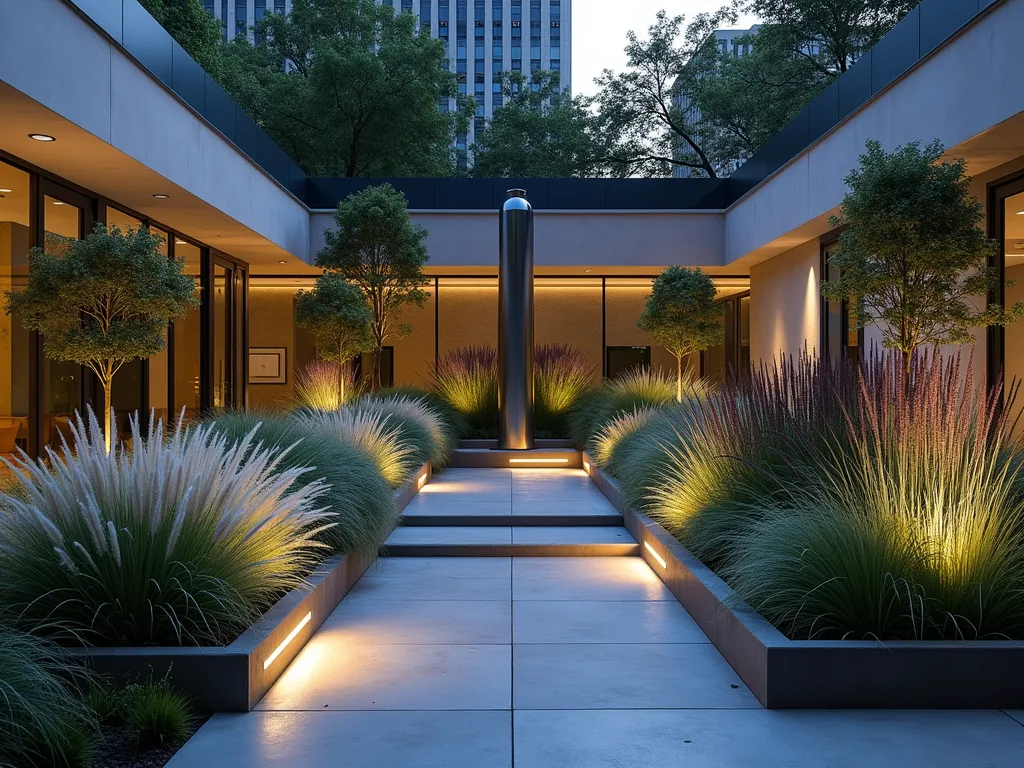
[377, 248]
[103, 301]
[683, 316]
[914, 259]
[336, 314]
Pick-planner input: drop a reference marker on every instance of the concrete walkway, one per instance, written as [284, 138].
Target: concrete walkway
[540, 662]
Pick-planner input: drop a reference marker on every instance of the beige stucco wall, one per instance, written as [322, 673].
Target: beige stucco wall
[785, 303]
[272, 324]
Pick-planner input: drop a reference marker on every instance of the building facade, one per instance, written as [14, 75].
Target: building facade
[484, 38]
[142, 136]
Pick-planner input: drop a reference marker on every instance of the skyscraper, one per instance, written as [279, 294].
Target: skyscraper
[484, 38]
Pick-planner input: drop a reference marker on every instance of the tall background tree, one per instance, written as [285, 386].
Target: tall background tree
[540, 130]
[192, 27]
[682, 315]
[336, 314]
[348, 88]
[914, 258]
[377, 248]
[103, 301]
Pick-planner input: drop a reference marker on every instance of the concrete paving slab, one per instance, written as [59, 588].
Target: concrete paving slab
[427, 588]
[328, 675]
[563, 507]
[577, 534]
[419, 535]
[350, 739]
[766, 739]
[438, 506]
[603, 621]
[449, 567]
[418, 622]
[1016, 714]
[586, 578]
[632, 676]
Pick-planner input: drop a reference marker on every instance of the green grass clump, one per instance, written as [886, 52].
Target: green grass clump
[419, 424]
[561, 374]
[183, 539]
[155, 714]
[467, 378]
[597, 407]
[358, 501]
[43, 721]
[371, 433]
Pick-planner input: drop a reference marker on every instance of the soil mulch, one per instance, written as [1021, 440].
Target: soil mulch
[117, 750]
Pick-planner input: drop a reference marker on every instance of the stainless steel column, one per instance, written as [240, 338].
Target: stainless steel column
[515, 323]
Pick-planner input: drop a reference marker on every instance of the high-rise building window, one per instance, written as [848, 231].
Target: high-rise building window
[241, 22]
[279, 6]
[496, 69]
[425, 13]
[224, 18]
[406, 6]
[496, 9]
[497, 100]
[208, 5]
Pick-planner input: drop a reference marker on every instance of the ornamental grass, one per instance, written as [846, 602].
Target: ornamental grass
[419, 424]
[467, 377]
[324, 386]
[561, 374]
[358, 500]
[43, 721]
[183, 540]
[370, 432]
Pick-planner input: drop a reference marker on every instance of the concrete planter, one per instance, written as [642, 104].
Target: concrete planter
[235, 677]
[820, 674]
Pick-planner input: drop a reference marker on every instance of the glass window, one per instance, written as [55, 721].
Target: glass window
[186, 336]
[62, 380]
[15, 380]
[1012, 252]
[841, 336]
[622, 360]
[279, 6]
[241, 22]
[122, 220]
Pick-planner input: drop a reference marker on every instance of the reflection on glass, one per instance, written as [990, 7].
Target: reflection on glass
[1013, 255]
[186, 333]
[62, 379]
[121, 220]
[158, 362]
[14, 339]
[222, 346]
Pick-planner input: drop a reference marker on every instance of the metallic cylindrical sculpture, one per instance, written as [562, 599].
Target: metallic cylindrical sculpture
[515, 323]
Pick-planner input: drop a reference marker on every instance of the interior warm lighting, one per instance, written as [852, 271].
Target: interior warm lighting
[5, 190]
[41, 137]
[282, 261]
[1019, 213]
[586, 466]
[179, 241]
[421, 480]
[161, 196]
[538, 461]
[655, 555]
[58, 202]
[291, 636]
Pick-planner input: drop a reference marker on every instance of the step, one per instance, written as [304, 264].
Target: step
[510, 520]
[542, 443]
[539, 458]
[510, 541]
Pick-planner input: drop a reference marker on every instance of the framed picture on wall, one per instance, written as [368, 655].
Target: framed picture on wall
[268, 365]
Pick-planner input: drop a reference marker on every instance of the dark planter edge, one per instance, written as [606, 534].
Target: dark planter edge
[235, 677]
[823, 674]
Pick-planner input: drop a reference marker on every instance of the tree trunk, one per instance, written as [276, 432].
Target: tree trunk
[107, 434]
[378, 353]
[679, 378]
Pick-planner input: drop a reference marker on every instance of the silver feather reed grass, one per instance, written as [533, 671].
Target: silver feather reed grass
[184, 539]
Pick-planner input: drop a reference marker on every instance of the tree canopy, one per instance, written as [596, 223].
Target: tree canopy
[913, 257]
[376, 247]
[192, 27]
[682, 315]
[348, 88]
[104, 300]
[540, 130]
[336, 314]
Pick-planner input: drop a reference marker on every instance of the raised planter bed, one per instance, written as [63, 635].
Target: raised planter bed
[819, 674]
[235, 677]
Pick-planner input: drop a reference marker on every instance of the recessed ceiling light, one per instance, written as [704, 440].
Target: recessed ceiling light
[4, 190]
[161, 196]
[58, 202]
[179, 241]
[282, 261]
[41, 137]
[588, 270]
[1019, 213]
